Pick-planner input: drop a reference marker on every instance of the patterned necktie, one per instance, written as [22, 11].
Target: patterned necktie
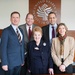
[18, 35]
[53, 32]
[30, 33]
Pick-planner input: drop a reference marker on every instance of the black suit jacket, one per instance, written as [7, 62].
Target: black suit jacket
[45, 30]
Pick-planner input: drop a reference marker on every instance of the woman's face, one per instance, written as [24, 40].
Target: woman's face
[37, 36]
[62, 30]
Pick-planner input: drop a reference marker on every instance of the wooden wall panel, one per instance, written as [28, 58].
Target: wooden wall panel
[41, 8]
[0, 32]
[70, 33]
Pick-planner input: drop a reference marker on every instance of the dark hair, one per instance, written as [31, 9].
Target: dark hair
[15, 12]
[29, 14]
[52, 13]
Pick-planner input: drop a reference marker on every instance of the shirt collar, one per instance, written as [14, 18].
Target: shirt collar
[29, 26]
[55, 25]
[14, 27]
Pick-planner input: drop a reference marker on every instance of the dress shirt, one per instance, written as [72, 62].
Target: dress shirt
[50, 31]
[27, 27]
[15, 27]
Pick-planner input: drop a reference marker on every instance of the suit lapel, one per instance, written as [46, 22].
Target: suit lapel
[25, 32]
[47, 30]
[14, 34]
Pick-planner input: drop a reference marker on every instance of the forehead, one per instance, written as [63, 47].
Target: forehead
[61, 26]
[52, 15]
[37, 32]
[30, 16]
[14, 15]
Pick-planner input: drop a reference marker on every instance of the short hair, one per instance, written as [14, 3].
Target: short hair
[29, 14]
[37, 29]
[52, 13]
[61, 24]
[15, 12]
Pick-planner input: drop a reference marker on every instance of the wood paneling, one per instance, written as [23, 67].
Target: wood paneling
[70, 33]
[0, 32]
[41, 8]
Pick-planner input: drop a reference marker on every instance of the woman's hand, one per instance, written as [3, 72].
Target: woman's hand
[51, 72]
[29, 71]
[62, 68]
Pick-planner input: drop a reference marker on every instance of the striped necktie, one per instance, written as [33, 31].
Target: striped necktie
[18, 35]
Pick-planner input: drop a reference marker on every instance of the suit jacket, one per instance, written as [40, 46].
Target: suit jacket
[68, 51]
[45, 30]
[0, 50]
[12, 51]
[26, 40]
[39, 56]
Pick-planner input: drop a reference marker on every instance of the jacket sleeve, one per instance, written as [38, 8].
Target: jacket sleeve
[28, 56]
[69, 59]
[50, 57]
[4, 42]
[54, 55]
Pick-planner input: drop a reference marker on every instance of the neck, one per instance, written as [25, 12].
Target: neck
[37, 43]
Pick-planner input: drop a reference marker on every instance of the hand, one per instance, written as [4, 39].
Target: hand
[5, 67]
[29, 71]
[62, 68]
[51, 72]
[22, 64]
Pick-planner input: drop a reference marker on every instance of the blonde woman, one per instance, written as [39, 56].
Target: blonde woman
[40, 61]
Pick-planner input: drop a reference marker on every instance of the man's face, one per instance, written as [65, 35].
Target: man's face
[29, 20]
[52, 19]
[15, 19]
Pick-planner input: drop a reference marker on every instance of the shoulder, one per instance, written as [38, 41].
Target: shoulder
[54, 39]
[31, 43]
[21, 26]
[70, 38]
[45, 26]
[35, 25]
[6, 30]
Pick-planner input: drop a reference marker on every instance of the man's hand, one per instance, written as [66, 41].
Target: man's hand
[5, 67]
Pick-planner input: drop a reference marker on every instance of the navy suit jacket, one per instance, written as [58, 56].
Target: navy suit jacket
[39, 56]
[12, 52]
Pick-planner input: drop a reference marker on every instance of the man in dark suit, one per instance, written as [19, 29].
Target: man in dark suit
[47, 30]
[25, 27]
[12, 46]
[1, 71]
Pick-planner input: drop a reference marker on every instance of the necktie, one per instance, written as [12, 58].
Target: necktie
[30, 33]
[53, 32]
[18, 35]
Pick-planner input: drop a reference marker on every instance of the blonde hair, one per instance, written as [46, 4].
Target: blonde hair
[37, 29]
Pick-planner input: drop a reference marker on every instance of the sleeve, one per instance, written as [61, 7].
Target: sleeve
[69, 59]
[4, 42]
[50, 57]
[54, 55]
[28, 56]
